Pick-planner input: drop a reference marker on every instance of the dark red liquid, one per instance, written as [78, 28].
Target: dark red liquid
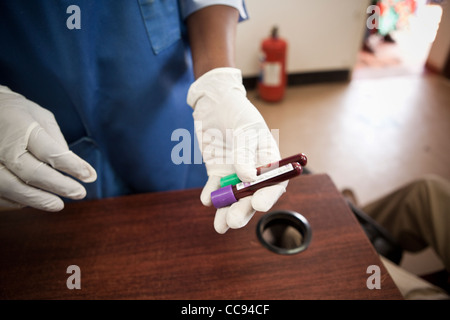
[248, 191]
[300, 158]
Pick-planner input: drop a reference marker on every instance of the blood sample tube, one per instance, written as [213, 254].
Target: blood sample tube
[229, 194]
[233, 179]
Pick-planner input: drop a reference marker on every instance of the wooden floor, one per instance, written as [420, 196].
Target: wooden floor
[385, 127]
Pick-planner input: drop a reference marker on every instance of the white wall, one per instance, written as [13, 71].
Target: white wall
[322, 35]
[440, 48]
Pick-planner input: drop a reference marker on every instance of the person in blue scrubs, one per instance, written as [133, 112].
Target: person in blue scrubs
[92, 92]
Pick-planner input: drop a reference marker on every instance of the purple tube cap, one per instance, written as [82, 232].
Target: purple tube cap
[223, 197]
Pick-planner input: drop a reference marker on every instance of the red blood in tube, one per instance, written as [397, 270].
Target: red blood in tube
[229, 194]
[300, 158]
[248, 191]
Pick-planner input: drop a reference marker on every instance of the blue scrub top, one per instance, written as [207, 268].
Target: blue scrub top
[117, 86]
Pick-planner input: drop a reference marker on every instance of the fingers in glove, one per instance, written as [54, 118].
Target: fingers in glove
[47, 121]
[235, 216]
[268, 151]
[240, 213]
[46, 149]
[211, 185]
[220, 220]
[8, 204]
[14, 190]
[245, 145]
[40, 175]
[264, 199]
[254, 147]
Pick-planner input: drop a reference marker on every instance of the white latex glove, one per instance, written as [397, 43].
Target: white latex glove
[224, 119]
[32, 152]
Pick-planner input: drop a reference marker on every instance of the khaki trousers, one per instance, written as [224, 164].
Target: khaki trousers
[417, 216]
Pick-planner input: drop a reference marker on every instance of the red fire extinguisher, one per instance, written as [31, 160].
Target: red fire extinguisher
[273, 79]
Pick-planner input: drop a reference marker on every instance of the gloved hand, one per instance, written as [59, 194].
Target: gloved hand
[233, 137]
[32, 152]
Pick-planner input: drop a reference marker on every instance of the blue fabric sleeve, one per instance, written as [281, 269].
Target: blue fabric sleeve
[190, 6]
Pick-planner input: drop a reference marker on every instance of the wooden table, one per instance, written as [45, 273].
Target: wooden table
[163, 246]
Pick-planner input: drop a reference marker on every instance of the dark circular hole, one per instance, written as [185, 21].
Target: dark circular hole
[284, 232]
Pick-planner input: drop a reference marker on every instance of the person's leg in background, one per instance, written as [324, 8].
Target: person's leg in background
[417, 216]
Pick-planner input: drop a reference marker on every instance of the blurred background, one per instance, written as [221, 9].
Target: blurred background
[370, 108]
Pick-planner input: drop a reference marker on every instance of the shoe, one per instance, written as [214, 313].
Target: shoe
[350, 196]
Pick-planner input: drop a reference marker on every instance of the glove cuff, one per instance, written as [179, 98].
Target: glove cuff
[214, 83]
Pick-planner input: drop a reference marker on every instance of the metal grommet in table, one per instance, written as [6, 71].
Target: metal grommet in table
[284, 232]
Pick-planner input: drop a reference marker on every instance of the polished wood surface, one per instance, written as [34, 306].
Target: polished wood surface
[163, 246]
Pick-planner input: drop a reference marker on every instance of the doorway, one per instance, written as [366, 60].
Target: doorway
[401, 44]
